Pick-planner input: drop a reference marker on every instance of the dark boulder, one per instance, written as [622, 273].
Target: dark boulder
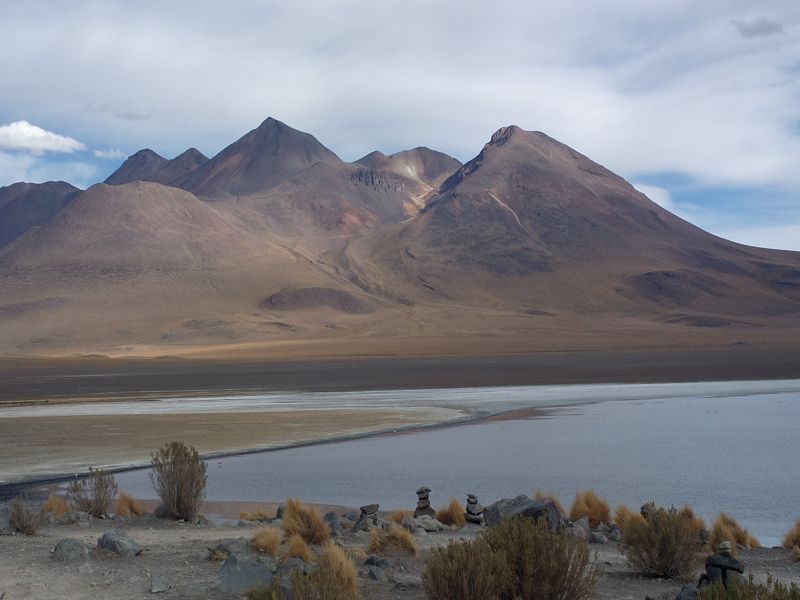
[524, 506]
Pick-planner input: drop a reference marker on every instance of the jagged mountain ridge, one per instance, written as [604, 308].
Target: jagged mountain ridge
[276, 239]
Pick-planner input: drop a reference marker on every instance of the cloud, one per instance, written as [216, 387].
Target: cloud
[16, 166]
[659, 195]
[784, 237]
[126, 114]
[762, 26]
[21, 135]
[110, 154]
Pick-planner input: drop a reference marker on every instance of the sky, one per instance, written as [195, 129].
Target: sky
[695, 103]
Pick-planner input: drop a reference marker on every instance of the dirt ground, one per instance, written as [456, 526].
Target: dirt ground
[178, 552]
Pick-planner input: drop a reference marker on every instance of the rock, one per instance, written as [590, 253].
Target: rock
[687, 593]
[577, 532]
[281, 510]
[368, 518]
[70, 550]
[73, 517]
[293, 564]
[335, 525]
[583, 523]
[597, 538]
[161, 512]
[239, 573]
[527, 507]
[159, 583]
[409, 523]
[406, 581]
[615, 535]
[423, 503]
[350, 515]
[369, 509]
[118, 542]
[471, 528]
[377, 561]
[430, 524]
[376, 574]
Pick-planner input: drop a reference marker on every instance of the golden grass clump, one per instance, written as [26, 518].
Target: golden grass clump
[266, 540]
[343, 570]
[452, 514]
[589, 504]
[257, 515]
[129, 507]
[397, 516]
[218, 553]
[304, 521]
[792, 539]
[356, 553]
[726, 528]
[21, 517]
[396, 538]
[624, 517]
[296, 547]
[698, 524]
[56, 505]
[540, 495]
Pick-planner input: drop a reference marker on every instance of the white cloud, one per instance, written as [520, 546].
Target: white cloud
[21, 135]
[17, 166]
[658, 195]
[110, 154]
[784, 237]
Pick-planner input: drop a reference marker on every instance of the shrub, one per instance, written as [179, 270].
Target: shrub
[792, 539]
[179, 478]
[589, 504]
[93, 494]
[296, 547]
[726, 528]
[396, 538]
[452, 514]
[266, 592]
[665, 544]
[218, 553]
[56, 505]
[467, 571]
[544, 565]
[304, 521]
[624, 516]
[539, 495]
[750, 590]
[127, 506]
[397, 516]
[266, 540]
[21, 517]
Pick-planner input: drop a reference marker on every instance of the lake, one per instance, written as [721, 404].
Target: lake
[729, 447]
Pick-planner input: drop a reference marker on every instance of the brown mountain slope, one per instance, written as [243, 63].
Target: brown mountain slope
[530, 224]
[26, 205]
[146, 165]
[262, 158]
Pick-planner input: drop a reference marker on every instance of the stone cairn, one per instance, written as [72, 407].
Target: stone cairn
[367, 518]
[424, 503]
[474, 512]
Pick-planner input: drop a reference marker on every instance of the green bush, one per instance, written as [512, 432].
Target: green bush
[544, 565]
[179, 478]
[750, 590]
[94, 493]
[517, 560]
[666, 544]
[467, 571]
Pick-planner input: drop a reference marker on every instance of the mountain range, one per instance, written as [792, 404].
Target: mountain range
[277, 246]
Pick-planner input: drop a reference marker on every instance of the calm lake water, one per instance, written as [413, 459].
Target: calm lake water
[732, 449]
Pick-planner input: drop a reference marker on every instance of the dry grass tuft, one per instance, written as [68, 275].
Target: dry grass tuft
[467, 571]
[792, 539]
[341, 569]
[306, 522]
[589, 504]
[179, 477]
[539, 495]
[296, 547]
[397, 516]
[726, 528]
[750, 590]
[356, 553]
[452, 514]
[796, 553]
[93, 494]
[624, 516]
[56, 505]
[21, 517]
[266, 540]
[129, 507]
[396, 538]
[218, 553]
[698, 524]
[665, 544]
[257, 515]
